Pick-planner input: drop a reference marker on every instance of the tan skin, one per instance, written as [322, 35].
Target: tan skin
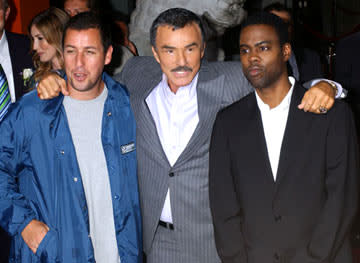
[84, 60]
[179, 53]
[321, 94]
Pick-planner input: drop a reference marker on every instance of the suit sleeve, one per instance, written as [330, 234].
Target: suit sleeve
[341, 183]
[15, 210]
[225, 208]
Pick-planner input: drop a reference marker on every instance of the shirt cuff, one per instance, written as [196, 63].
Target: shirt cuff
[341, 93]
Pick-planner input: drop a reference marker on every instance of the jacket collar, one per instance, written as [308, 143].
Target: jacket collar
[53, 106]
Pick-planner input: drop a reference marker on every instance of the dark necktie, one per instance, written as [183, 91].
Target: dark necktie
[5, 99]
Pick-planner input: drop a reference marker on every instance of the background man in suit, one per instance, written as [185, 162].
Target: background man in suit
[347, 69]
[175, 98]
[74, 7]
[304, 64]
[283, 184]
[14, 57]
[14, 54]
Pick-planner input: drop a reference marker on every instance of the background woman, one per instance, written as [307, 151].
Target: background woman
[45, 32]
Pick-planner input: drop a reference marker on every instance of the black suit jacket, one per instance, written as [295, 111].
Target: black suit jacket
[347, 66]
[309, 64]
[304, 216]
[19, 49]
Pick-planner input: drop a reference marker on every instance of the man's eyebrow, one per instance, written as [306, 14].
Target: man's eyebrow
[191, 45]
[71, 46]
[167, 47]
[257, 44]
[263, 42]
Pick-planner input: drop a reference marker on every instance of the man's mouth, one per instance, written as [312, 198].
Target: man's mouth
[79, 76]
[254, 71]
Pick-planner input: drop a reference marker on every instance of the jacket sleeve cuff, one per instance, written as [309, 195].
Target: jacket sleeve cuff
[341, 92]
[25, 223]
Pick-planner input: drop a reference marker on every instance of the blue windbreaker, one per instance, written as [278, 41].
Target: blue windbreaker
[40, 179]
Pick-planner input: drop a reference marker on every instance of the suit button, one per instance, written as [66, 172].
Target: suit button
[276, 256]
[278, 218]
[171, 174]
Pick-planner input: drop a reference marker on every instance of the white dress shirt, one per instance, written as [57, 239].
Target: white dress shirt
[274, 122]
[5, 62]
[176, 117]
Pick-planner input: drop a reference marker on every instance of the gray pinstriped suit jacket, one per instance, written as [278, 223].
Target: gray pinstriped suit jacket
[219, 84]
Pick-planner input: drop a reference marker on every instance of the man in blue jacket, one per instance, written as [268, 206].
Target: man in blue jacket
[68, 185]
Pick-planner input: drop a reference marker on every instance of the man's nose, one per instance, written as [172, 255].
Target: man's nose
[253, 56]
[181, 59]
[79, 59]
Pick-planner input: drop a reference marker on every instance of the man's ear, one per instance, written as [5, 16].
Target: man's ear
[203, 49]
[286, 50]
[156, 56]
[108, 55]
[7, 13]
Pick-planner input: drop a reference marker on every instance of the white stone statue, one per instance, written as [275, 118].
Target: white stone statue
[221, 13]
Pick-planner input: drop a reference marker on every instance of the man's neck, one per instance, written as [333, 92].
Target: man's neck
[2, 33]
[86, 95]
[274, 94]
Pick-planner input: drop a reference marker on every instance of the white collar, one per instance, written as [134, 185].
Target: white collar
[284, 104]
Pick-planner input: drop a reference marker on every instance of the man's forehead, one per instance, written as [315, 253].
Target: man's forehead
[258, 31]
[76, 3]
[73, 36]
[164, 32]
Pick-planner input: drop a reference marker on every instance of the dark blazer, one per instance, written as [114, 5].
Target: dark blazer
[19, 48]
[347, 66]
[309, 64]
[305, 215]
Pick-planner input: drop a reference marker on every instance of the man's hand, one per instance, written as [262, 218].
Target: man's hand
[51, 85]
[34, 233]
[321, 95]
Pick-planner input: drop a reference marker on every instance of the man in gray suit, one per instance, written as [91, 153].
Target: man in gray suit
[175, 98]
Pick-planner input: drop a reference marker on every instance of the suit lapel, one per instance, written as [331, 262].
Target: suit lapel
[145, 122]
[257, 141]
[294, 135]
[209, 93]
[18, 83]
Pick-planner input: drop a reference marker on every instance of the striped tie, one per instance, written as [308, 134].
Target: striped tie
[5, 99]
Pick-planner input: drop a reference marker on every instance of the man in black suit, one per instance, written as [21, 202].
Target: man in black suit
[283, 183]
[14, 58]
[14, 55]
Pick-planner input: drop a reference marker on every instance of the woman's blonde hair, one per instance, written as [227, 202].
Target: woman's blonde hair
[50, 23]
